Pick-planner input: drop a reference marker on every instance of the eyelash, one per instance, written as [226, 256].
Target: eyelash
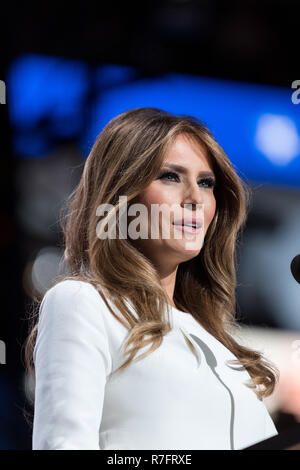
[211, 181]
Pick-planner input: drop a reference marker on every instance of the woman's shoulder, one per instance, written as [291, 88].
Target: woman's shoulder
[70, 298]
[73, 294]
[73, 319]
[66, 288]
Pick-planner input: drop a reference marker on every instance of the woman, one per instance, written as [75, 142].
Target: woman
[164, 304]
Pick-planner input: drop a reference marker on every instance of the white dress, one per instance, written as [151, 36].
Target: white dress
[181, 396]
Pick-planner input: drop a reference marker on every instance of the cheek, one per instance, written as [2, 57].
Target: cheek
[156, 195]
[209, 209]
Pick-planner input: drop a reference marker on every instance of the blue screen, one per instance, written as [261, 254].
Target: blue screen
[258, 126]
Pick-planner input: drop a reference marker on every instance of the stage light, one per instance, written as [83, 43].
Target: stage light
[277, 138]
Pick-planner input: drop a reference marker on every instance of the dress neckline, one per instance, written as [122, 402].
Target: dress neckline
[193, 327]
[183, 316]
[180, 311]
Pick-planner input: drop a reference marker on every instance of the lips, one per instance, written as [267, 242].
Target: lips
[193, 222]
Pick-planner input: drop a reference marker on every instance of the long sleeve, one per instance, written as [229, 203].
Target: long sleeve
[270, 428]
[72, 361]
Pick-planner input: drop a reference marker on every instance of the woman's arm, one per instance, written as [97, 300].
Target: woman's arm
[72, 361]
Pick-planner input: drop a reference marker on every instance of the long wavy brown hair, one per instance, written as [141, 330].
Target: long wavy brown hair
[125, 158]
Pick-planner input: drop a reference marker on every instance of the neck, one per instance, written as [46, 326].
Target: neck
[168, 279]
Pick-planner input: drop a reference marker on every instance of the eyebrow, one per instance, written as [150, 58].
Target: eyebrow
[183, 170]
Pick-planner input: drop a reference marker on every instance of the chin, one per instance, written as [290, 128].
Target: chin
[184, 253]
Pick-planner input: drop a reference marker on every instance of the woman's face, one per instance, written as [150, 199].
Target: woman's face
[185, 193]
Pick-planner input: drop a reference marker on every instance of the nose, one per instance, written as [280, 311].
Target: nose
[193, 196]
[193, 203]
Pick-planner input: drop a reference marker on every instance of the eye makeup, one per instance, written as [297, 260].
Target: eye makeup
[209, 181]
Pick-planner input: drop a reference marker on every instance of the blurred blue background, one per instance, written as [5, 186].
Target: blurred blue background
[257, 125]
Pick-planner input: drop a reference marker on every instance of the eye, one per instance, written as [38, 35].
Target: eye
[210, 182]
[170, 175]
[166, 174]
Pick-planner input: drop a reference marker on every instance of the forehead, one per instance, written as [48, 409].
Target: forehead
[186, 150]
